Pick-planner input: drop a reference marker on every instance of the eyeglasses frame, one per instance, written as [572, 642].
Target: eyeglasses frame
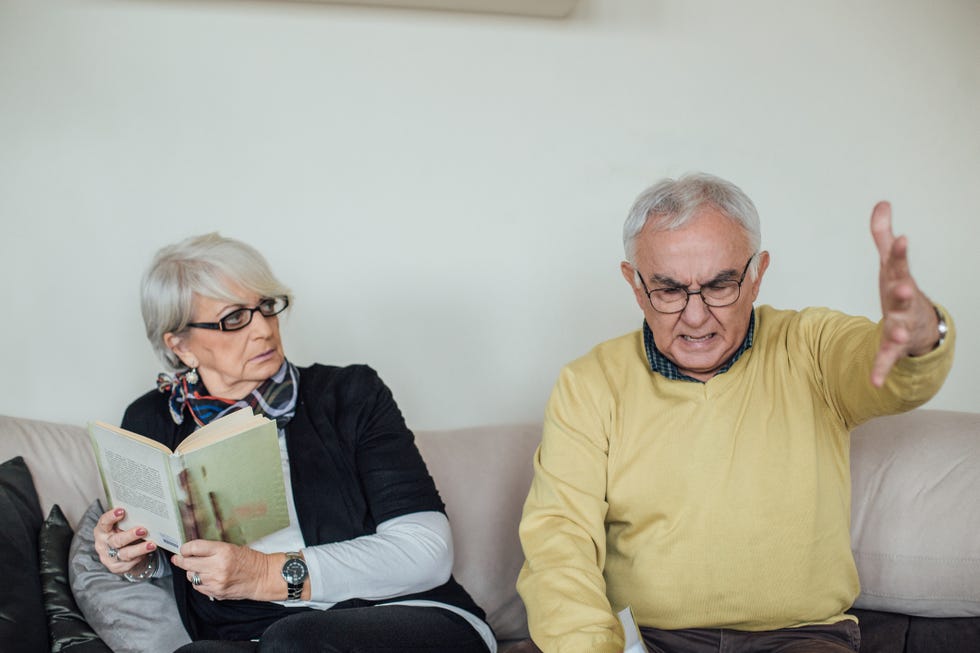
[219, 325]
[687, 299]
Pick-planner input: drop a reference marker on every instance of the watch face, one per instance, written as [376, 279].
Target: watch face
[294, 571]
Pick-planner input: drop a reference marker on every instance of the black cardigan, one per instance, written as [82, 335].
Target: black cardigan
[353, 464]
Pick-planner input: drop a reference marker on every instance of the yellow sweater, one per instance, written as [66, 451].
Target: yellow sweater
[723, 504]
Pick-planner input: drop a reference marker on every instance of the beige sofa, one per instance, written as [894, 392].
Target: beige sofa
[916, 506]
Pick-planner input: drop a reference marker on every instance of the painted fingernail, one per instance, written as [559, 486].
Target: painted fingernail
[150, 546]
[119, 512]
[141, 532]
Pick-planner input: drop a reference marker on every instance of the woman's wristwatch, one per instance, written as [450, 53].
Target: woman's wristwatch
[295, 573]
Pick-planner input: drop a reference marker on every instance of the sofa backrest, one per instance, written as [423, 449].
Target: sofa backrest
[915, 504]
[483, 475]
[61, 461]
[915, 513]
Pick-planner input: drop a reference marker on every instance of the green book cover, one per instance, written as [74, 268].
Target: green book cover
[224, 482]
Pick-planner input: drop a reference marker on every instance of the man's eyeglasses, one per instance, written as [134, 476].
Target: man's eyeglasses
[716, 294]
[241, 318]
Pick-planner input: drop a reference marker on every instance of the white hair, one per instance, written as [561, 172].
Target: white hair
[209, 265]
[673, 203]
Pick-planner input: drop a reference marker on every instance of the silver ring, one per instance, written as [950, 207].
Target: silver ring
[113, 553]
[196, 579]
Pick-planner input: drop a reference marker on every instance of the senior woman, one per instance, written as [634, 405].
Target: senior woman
[366, 560]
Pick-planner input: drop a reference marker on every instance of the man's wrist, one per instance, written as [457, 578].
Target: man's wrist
[932, 337]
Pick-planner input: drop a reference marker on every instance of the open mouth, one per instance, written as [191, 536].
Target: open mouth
[698, 339]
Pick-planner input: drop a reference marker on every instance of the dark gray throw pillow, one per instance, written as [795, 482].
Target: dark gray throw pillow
[67, 627]
[23, 623]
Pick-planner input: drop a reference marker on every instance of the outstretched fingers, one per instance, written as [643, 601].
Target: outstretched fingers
[907, 317]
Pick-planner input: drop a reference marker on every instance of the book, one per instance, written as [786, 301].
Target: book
[634, 641]
[223, 482]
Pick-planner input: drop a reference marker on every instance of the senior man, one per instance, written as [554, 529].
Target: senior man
[697, 469]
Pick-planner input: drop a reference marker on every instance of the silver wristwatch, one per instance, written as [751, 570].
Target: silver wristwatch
[943, 329]
[295, 573]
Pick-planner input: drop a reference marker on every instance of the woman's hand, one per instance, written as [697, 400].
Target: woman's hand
[121, 551]
[229, 571]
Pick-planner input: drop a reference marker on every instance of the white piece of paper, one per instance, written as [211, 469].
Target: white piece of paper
[634, 642]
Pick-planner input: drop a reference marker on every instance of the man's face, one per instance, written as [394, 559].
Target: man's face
[710, 248]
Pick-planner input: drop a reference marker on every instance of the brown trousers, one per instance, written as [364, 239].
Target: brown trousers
[842, 637]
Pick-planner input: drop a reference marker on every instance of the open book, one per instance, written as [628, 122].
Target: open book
[223, 482]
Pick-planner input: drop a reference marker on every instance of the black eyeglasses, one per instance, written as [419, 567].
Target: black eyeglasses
[716, 294]
[241, 318]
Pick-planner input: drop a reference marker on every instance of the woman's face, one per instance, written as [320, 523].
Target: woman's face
[231, 363]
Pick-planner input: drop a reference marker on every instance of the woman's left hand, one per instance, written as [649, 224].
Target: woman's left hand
[230, 571]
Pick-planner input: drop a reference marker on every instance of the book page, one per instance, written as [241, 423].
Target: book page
[234, 487]
[102, 426]
[136, 476]
[221, 428]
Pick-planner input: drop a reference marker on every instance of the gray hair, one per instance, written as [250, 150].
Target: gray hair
[674, 203]
[209, 265]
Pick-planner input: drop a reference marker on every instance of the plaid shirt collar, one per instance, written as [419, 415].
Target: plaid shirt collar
[665, 367]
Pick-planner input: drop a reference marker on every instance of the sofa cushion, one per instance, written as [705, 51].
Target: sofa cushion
[483, 475]
[129, 617]
[943, 635]
[915, 517]
[882, 632]
[23, 625]
[66, 625]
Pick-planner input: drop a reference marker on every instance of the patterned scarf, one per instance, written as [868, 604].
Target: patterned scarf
[275, 397]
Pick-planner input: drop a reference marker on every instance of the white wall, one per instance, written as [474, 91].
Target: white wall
[445, 191]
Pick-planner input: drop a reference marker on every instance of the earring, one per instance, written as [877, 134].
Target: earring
[192, 376]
